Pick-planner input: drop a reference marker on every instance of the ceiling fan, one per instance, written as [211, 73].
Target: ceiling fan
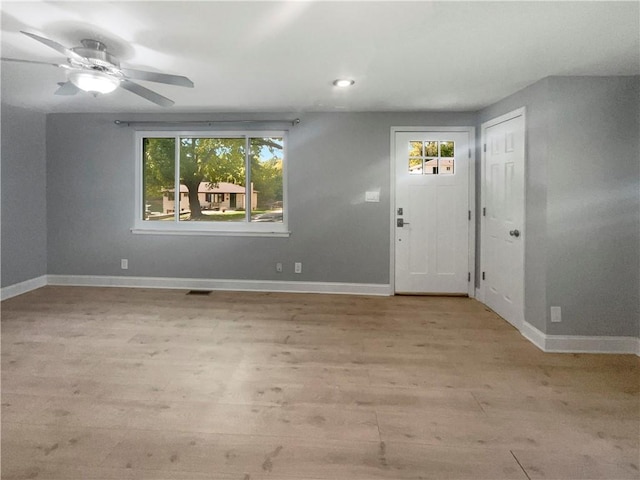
[92, 69]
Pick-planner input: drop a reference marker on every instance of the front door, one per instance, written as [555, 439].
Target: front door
[432, 217]
[503, 216]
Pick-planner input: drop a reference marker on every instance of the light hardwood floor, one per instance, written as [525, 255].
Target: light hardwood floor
[104, 383]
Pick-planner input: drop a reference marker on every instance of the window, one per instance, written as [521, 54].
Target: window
[431, 157]
[228, 183]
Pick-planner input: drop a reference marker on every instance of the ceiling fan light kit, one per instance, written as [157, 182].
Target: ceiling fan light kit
[94, 81]
[92, 69]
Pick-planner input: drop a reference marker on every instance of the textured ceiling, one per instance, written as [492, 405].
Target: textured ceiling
[284, 56]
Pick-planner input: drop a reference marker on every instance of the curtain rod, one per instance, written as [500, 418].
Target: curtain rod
[128, 123]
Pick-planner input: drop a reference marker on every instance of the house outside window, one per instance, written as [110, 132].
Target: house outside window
[228, 183]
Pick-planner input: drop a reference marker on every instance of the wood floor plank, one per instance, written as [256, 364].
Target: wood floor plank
[584, 466]
[116, 383]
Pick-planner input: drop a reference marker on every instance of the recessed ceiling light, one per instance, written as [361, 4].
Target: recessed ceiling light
[343, 82]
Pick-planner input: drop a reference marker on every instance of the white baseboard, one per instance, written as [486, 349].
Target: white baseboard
[580, 343]
[22, 287]
[534, 335]
[222, 284]
[480, 295]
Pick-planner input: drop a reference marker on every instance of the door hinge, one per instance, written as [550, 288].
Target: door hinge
[469, 215]
[485, 147]
[469, 153]
[468, 276]
[484, 211]
[483, 276]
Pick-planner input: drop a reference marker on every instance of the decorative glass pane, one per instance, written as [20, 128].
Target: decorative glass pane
[431, 149]
[158, 158]
[415, 149]
[415, 166]
[431, 166]
[213, 166]
[446, 166]
[267, 155]
[446, 149]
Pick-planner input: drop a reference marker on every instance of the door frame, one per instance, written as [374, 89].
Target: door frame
[471, 290]
[480, 294]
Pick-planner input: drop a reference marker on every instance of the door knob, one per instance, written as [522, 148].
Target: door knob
[514, 233]
[401, 223]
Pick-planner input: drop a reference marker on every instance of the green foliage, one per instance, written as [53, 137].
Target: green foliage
[446, 149]
[212, 160]
[266, 173]
[159, 165]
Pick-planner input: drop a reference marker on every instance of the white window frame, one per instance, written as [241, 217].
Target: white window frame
[264, 229]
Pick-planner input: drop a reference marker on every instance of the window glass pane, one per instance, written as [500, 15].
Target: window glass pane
[158, 157]
[415, 166]
[431, 166]
[446, 149]
[267, 155]
[415, 149]
[214, 166]
[431, 149]
[446, 166]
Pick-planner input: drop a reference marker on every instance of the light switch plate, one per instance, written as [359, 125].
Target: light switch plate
[373, 196]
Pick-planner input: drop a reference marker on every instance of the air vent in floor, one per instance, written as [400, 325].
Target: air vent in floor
[198, 292]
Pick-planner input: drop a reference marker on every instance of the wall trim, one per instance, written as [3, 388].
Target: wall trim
[480, 294]
[534, 335]
[580, 343]
[221, 284]
[22, 287]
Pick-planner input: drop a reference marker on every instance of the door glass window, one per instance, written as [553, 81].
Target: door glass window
[415, 166]
[431, 149]
[431, 158]
[431, 166]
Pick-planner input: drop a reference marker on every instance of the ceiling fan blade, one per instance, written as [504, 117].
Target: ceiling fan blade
[56, 46]
[146, 93]
[67, 88]
[19, 60]
[157, 77]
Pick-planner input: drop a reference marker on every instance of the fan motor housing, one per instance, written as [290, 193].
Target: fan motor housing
[96, 52]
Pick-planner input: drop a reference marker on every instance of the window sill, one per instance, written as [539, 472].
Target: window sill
[209, 233]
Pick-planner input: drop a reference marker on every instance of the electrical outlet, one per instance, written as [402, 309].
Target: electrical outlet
[124, 264]
[279, 267]
[297, 267]
[556, 314]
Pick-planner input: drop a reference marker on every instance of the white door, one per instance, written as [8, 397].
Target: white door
[503, 216]
[431, 218]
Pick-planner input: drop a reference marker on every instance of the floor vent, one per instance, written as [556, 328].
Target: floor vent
[198, 292]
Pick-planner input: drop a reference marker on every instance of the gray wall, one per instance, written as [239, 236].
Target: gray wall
[23, 175]
[583, 203]
[333, 159]
[593, 205]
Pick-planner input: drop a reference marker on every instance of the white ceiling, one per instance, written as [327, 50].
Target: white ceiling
[283, 56]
